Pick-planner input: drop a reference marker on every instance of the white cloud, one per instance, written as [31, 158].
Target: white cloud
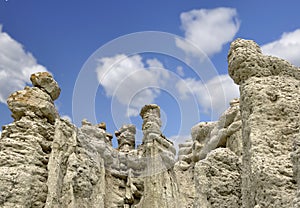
[16, 66]
[66, 117]
[214, 95]
[208, 29]
[287, 47]
[135, 83]
[131, 81]
[179, 70]
[0, 133]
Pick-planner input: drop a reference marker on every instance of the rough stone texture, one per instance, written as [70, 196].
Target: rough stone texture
[245, 60]
[102, 125]
[45, 81]
[269, 104]
[207, 136]
[32, 102]
[218, 180]
[160, 186]
[249, 158]
[25, 147]
[76, 171]
[126, 137]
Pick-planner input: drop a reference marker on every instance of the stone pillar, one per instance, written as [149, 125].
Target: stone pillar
[26, 144]
[156, 145]
[151, 120]
[269, 103]
[159, 153]
[126, 137]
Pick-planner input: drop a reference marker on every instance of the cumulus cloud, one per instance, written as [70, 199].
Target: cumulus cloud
[208, 29]
[179, 70]
[66, 117]
[131, 81]
[16, 66]
[286, 47]
[214, 95]
[135, 82]
[0, 133]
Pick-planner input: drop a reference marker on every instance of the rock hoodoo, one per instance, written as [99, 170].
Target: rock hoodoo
[269, 102]
[36, 101]
[249, 158]
[126, 137]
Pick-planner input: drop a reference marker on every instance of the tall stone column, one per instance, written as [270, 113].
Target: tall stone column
[269, 102]
[151, 121]
[26, 144]
[160, 187]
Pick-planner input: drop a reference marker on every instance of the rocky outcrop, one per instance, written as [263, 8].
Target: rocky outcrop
[249, 158]
[269, 102]
[126, 137]
[203, 172]
[218, 180]
[45, 81]
[25, 148]
[160, 182]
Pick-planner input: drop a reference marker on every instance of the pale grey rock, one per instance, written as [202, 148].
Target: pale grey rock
[185, 149]
[248, 158]
[218, 180]
[156, 145]
[85, 122]
[45, 81]
[76, 171]
[126, 137]
[269, 89]
[32, 102]
[25, 147]
[160, 188]
[151, 119]
[208, 136]
[246, 60]
[202, 130]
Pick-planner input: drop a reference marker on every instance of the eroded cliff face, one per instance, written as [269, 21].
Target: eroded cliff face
[248, 158]
[269, 102]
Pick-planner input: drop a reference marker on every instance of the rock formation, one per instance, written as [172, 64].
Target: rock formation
[126, 137]
[26, 145]
[249, 158]
[269, 102]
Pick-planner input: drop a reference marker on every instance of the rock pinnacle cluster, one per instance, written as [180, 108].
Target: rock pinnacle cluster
[249, 158]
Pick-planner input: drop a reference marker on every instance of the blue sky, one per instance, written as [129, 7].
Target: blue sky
[71, 38]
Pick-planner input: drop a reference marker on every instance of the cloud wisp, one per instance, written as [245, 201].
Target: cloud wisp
[16, 66]
[128, 79]
[135, 82]
[208, 30]
[213, 96]
[286, 47]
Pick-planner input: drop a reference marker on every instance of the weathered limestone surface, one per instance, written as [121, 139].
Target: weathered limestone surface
[161, 188]
[126, 137]
[45, 81]
[25, 148]
[249, 158]
[32, 102]
[269, 105]
[194, 163]
[218, 180]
